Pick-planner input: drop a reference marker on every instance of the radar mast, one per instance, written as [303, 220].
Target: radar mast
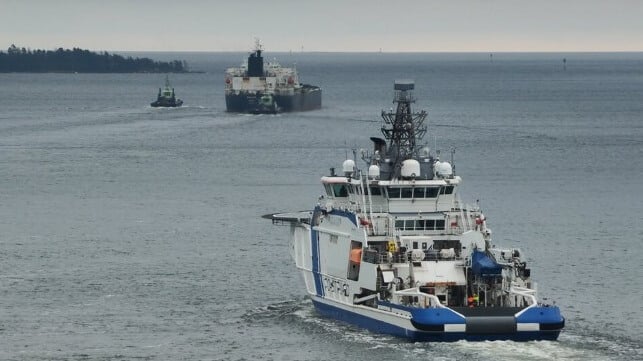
[403, 129]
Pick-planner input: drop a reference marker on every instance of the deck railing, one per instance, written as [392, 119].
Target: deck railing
[424, 299]
[528, 295]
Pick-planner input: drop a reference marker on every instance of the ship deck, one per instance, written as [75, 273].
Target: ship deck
[290, 217]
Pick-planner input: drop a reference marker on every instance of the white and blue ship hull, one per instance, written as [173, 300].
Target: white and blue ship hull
[332, 297]
[396, 251]
[527, 328]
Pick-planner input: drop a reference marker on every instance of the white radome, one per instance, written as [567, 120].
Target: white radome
[348, 166]
[410, 168]
[443, 169]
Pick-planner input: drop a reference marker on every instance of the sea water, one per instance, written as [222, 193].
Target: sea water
[129, 232]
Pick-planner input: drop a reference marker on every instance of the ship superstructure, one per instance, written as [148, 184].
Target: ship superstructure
[392, 248]
[259, 87]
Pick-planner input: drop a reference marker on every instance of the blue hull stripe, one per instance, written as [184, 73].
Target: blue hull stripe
[546, 315]
[378, 326]
[314, 248]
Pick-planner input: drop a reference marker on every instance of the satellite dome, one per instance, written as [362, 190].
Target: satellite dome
[443, 169]
[410, 168]
[348, 166]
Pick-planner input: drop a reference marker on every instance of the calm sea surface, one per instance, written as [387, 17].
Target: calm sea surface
[128, 232]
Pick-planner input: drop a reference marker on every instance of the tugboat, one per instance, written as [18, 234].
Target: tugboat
[255, 88]
[166, 97]
[394, 250]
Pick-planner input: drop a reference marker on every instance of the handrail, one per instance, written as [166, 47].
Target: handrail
[527, 293]
[434, 300]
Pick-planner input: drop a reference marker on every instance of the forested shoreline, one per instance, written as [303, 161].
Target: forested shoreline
[76, 60]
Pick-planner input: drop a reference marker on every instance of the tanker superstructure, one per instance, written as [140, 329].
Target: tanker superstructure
[257, 87]
[393, 248]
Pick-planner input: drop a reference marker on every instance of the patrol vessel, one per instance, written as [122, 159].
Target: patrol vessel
[166, 97]
[257, 88]
[393, 248]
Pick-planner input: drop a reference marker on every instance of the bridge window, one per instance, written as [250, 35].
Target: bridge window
[419, 224]
[340, 190]
[416, 192]
[432, 192]
[446, 190]
[375, 191]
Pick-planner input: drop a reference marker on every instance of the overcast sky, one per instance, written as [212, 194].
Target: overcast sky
[325, 25]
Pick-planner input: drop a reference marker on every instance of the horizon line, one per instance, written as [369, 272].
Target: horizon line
[380, 51]
[384, 52]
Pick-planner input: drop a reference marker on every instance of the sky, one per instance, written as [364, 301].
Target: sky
[325, 25]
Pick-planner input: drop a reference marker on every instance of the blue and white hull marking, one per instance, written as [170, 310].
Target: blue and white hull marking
[314, 247]
[401, 324]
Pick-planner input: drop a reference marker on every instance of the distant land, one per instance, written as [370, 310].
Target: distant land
[21, 60]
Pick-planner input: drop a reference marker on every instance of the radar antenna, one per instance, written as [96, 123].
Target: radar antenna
[403, 129]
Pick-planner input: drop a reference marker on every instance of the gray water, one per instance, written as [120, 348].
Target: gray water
[128, 232]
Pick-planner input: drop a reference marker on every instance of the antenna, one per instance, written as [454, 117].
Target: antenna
[345, 149]
[258, 44]
[403, 131]
[452, 160]
[403, 127]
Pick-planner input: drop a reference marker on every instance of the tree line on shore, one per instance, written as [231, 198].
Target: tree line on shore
[81, 61]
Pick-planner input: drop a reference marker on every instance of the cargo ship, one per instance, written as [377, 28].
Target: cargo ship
[267, 88]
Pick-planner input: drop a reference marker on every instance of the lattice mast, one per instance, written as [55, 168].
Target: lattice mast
[403, 129]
